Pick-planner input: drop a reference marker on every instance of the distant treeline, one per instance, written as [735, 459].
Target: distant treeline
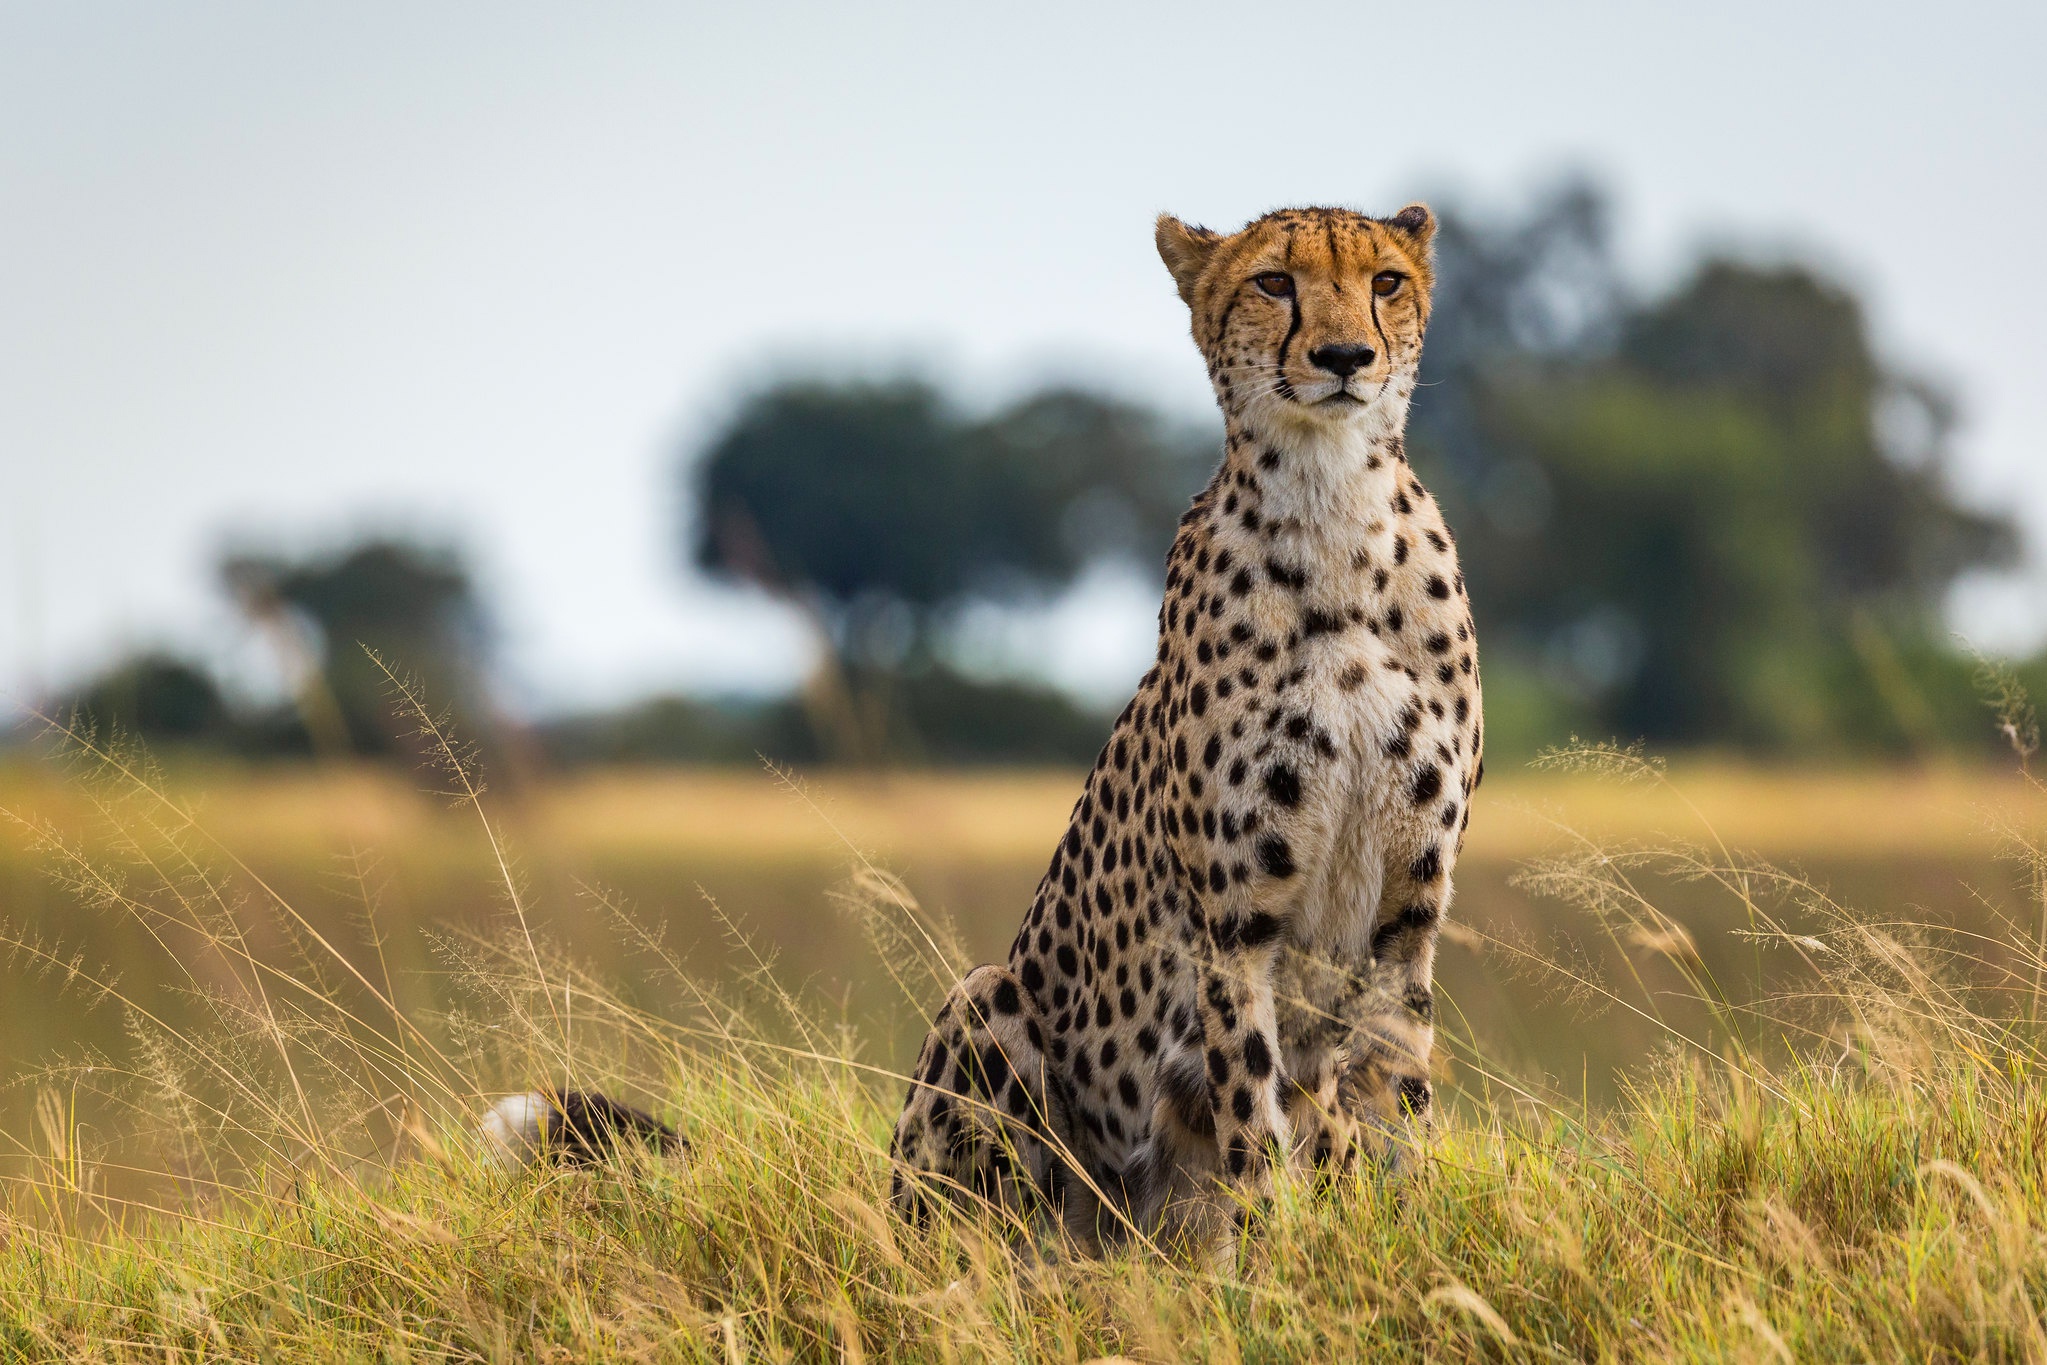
[1707, 518]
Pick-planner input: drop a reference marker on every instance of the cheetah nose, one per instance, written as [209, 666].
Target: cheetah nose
[1342, 361]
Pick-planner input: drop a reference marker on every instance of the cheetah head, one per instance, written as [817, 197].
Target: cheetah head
[1310, 319]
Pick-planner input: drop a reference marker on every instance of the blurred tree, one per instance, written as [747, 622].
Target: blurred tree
[875, 500]
[876, 507]
[158, 698]
[936, 716]
[414, 605]
[1713, 517]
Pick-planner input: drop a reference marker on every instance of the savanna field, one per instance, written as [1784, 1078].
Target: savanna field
[1738, 1064]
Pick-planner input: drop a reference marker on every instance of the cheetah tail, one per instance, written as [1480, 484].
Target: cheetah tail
[573, 1127]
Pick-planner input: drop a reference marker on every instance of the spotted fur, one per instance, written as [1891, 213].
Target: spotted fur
[1229, 959]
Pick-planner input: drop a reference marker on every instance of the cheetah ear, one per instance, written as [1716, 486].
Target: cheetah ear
[1417, 222]
[1185, 250]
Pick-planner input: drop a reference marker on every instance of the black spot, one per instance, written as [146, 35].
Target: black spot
[994, 1069]
[1069, 961]
[1413, 917]
[1428, 784]
[1286, 575]
[1428, 867]
[1032, 975]
[1395, 619]
[1197, 699]
[1438, 589]
[1283, 785]
[1420, 1003]
[1414, 1094]
[1275, 856]
[1006, 1001]
[1259, 929]
[1317, 622]
[1126, 1089]
[1218, 1066]
[1257, 1056]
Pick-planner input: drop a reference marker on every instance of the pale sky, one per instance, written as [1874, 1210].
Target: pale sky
[286, 271]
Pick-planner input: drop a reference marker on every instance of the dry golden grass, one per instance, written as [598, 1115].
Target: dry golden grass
[730, 815]
[1838, 1157]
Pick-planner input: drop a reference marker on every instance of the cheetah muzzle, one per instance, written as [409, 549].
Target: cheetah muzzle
[1228, 962]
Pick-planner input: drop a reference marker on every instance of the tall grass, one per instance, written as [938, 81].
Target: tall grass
[1849, 1161]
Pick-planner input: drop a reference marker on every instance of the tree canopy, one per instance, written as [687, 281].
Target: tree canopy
[881, 503]
[414, 605]
[1713, 516]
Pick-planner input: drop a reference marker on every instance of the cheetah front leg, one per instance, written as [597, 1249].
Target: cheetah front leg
[1385, 1085]
[1239, 1035]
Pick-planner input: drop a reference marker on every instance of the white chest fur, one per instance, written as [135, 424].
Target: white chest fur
[1360, 577]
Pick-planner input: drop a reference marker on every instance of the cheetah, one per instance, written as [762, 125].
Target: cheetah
[1228, 963]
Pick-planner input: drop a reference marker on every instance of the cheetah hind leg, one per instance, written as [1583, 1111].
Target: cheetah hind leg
[1325, 1128]
[1384, 1090]
[985, 1124]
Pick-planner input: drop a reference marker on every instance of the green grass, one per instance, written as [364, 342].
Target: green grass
[1848, 1160]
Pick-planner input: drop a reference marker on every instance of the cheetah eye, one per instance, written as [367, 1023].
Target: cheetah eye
[1387, 283]
[1276, 283]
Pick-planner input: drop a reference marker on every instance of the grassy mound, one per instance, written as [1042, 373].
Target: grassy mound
[1807, 1215]
[1851, 1163]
